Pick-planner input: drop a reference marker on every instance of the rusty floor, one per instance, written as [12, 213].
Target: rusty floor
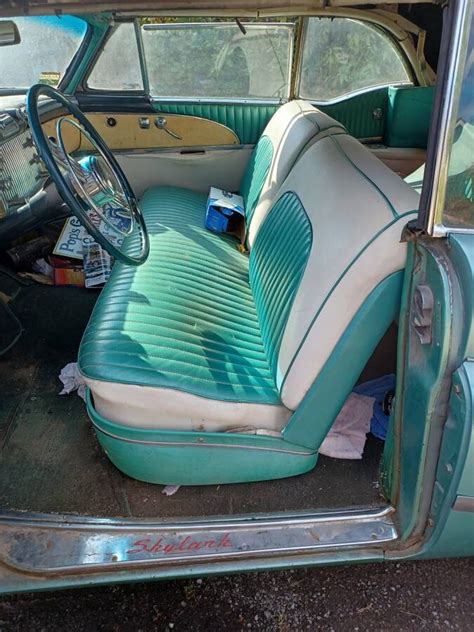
[50, 460]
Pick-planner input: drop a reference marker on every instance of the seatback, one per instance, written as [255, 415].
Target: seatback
[290, 129]
[332, 236]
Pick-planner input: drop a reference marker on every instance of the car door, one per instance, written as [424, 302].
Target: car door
[429, 458]
[183, 103]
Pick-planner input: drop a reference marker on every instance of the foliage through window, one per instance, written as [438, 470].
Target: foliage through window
[342, 56]
[218, 60]
[118, 66]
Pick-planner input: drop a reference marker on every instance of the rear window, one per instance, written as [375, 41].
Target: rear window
[342, 56]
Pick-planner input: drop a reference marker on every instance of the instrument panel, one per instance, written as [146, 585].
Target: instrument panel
[22, 173]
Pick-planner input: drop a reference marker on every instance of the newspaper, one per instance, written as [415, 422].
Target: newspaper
[76, 243]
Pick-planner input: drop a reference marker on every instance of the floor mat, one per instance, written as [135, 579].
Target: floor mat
[51, 461]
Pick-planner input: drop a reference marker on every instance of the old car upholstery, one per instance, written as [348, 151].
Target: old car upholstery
[175, 219]
[202, 337]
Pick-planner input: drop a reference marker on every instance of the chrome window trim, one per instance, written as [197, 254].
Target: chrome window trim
[356, 93]
[216, 101]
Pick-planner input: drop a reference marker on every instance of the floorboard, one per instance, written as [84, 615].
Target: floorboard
[51, 461]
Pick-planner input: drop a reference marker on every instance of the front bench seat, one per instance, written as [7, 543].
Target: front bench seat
[205, 366]
[210, 361]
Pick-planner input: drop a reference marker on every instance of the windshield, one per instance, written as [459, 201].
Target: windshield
[47, 47]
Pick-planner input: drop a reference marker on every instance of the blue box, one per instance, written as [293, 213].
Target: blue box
[221, 207]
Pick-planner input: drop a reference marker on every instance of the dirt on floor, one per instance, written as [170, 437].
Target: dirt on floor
[398, 597]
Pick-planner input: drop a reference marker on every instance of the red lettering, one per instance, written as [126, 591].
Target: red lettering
[225, 542]
[156, 547]
[186, 544]
[142, 544]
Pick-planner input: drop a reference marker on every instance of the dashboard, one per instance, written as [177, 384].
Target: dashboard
[22, 173]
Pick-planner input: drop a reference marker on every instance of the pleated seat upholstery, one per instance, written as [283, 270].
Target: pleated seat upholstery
[204, 338]
[186, 323]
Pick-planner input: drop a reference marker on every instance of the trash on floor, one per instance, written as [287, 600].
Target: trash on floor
[383, 390]
[346, 439]
[169, 490]
[67, 271]
[367, 409]
[72, 380]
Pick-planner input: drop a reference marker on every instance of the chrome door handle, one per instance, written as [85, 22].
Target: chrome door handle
[162, 123]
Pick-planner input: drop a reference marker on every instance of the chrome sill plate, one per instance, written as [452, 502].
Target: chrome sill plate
[69, 545]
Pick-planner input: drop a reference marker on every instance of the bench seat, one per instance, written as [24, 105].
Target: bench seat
[184, 321]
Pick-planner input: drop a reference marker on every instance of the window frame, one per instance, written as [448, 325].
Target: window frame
[373, 24]
[440, 142]
[88, 90]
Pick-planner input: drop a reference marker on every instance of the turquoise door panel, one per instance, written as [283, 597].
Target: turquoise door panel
[363, 115]
[247, 120]
[429, 455]
[451, 525]
[426, 332]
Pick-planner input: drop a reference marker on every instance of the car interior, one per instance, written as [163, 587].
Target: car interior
[220, 363]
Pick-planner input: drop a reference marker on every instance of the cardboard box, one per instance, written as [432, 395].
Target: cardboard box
[67, 271]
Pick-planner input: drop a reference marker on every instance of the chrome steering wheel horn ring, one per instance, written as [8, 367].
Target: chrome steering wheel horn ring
[92, 182]
[67, 172]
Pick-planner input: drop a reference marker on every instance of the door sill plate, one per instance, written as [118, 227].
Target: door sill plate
[39, 544]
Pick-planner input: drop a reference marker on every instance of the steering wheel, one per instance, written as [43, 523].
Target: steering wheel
[94, 187]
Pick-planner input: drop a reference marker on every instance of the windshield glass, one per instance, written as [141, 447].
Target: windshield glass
[47, 47]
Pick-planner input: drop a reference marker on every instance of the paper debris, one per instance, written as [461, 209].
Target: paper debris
[169, 490]
[72, 380]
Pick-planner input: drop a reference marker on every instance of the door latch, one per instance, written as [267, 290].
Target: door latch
[162, 123]
[423, 305]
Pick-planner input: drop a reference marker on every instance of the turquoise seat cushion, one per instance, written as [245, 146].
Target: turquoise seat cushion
[186, 319]
[255, 175]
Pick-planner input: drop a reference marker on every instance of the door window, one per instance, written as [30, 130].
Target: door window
[218, 61]
[459, 205]
[342, 56]
[118, 66]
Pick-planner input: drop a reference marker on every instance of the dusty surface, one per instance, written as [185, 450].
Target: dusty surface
[434, 595]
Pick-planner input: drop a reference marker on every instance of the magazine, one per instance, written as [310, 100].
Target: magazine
[76, 243]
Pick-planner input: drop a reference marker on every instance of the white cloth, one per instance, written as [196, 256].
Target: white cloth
[346, 439]
[72, 380]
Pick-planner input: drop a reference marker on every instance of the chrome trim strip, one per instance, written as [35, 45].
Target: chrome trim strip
[214, 101]
[464, 503]
[72, 521]
[185, 444]
[39, 546]
[188, 150]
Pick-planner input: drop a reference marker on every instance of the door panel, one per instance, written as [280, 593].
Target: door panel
[402, 160]
[363, 115]
[247, 120]
[199, 170]
[138, 131]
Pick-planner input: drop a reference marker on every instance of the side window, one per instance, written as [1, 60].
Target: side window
[199, 60]
[342, 56]
[118, 66]
[459, 204]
